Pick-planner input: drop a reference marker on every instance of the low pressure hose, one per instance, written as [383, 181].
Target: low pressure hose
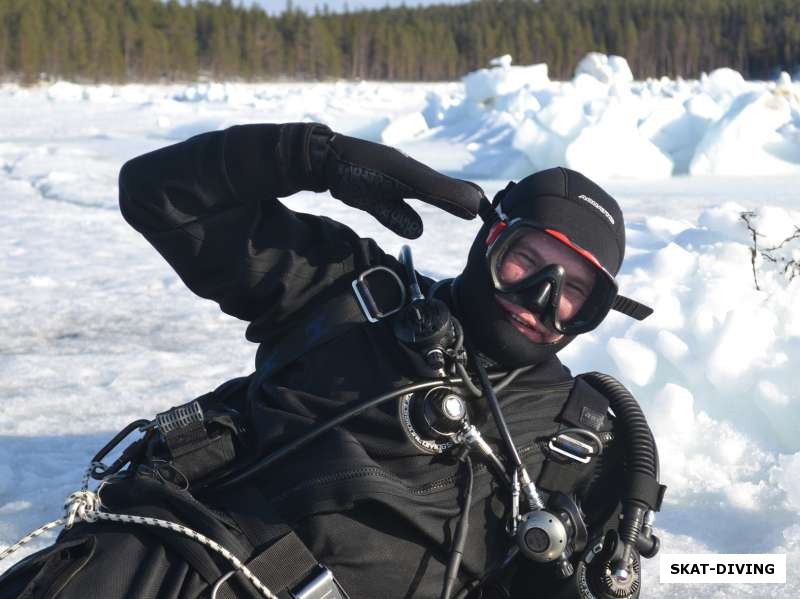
[642, 458]
[350, 412]
[460, 537]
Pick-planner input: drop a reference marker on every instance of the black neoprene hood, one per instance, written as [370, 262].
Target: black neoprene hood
[570, 203]
[556, 198]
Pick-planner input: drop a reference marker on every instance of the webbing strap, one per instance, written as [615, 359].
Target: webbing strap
[562, 476]
[584, 408]
[631, 307]
[254, 514]
[281, 567]
[332, 319]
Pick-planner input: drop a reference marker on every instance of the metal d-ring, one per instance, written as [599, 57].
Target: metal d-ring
[367, 301]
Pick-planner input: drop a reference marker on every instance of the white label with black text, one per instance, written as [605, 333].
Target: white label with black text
[719, 568]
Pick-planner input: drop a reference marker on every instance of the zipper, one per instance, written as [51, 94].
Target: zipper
[437, 485]
[427, 488]
[480, 468]
[372, 471]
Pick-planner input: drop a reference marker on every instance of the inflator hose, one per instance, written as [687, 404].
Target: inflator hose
[303, 440]
[641, 450]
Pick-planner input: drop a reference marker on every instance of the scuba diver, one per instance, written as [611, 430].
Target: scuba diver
[400, 437]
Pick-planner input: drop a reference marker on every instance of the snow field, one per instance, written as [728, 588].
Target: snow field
[96, 330]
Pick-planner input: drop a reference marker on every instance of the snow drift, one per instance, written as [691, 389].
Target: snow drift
[96, 330]
[604, 122]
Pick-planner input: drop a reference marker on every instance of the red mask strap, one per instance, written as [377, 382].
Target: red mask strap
[495, 231]
[566, 241]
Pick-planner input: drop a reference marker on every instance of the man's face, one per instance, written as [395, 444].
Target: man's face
[529, 255]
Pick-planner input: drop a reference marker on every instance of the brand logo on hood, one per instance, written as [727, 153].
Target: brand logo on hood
[605, 213]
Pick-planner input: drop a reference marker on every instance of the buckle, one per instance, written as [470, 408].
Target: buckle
[179, 417]
[321, 586]
[572, 448]
[366, 300]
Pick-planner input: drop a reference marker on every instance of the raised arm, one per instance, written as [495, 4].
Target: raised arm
[210, 206]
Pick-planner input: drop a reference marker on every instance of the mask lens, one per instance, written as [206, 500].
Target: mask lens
[594, 307]
[521, 259]
[521, 262]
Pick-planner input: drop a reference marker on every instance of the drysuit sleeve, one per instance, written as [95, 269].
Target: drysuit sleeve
[209, 205]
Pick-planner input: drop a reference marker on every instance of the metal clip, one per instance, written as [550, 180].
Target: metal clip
[535, 501]
[472, 437]
[515, 491]
[179, 417]
[322, 586]
[572, 448]
[367, 302]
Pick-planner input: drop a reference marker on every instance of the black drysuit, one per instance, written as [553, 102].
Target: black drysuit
[368, 505]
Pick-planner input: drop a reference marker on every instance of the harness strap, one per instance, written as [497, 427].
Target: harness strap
[282, 567]
[254, 515]
[562, 476]
[587, 409]
[332, 319]
[286, 566]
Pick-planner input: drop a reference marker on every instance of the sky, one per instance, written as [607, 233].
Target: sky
[277, 6]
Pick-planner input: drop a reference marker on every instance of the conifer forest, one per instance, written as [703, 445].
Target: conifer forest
[157, 40]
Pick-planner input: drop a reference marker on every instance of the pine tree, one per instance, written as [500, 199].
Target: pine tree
[30, 39]
[181, 33]
[121, 40]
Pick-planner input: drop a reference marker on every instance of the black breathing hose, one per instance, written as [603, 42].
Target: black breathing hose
[639, 437]
[641, 451]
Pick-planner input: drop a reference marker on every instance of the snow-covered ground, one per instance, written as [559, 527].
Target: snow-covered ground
[96, 330]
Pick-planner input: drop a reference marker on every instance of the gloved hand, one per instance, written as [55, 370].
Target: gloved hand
[370, 176]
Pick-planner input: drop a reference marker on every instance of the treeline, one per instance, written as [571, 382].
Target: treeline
[150, 40]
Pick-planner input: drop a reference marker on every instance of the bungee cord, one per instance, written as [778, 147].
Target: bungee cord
[85, 506]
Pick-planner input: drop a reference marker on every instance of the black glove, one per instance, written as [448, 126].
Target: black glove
[371, 177]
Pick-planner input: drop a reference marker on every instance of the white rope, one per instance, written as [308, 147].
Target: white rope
[68, 519]
[30, 537]
[84, 506]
